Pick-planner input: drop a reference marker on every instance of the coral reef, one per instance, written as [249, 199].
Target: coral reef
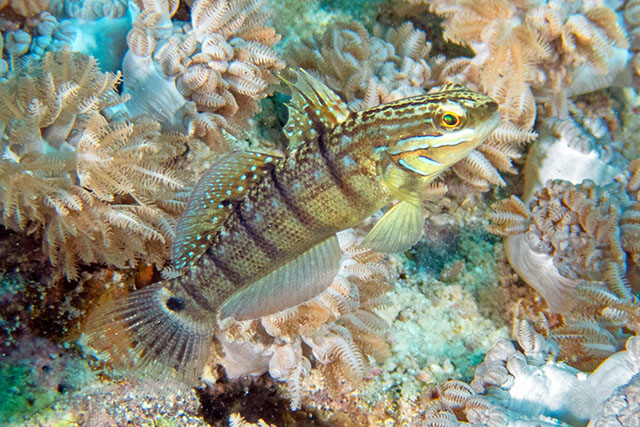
[576, 244]
[534, 53]
[367, 70]
[112, 109]
[26, 8]
[531, 57]
[529, 387]
[98, 186]
[97, 30]
[211, 74]
[572, 239]
[339, 327]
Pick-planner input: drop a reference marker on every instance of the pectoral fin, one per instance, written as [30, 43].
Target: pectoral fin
[296, 282]
[398, 230]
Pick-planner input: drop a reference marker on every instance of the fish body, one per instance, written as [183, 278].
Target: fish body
[258, 235]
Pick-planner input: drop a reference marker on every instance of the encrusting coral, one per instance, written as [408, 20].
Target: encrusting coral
[338, 327]
[98, 185]
[211, 74]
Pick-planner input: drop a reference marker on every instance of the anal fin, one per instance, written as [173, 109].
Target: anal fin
[399, 228]
[294, 283]
[155, 331]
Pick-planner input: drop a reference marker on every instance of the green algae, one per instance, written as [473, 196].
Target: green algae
[20, 396]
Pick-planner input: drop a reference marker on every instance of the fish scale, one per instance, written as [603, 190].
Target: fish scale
[258, 233]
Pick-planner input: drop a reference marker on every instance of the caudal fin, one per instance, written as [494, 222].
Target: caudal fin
[157, 331]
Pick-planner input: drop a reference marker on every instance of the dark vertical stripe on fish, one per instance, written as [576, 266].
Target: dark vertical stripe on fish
[270, 250]
[345, 189]
[299, 213]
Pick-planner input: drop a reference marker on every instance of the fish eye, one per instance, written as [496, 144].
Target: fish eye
[450, 120]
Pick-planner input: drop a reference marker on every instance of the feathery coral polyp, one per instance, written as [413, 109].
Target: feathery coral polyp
[97, 184]
[213, 73]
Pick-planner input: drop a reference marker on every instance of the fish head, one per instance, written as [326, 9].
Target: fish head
[440, 129]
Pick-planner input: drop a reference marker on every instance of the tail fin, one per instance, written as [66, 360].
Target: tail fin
[159, 330]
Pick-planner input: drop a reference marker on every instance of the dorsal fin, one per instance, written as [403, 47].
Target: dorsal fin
[209, 204]
[312, 103]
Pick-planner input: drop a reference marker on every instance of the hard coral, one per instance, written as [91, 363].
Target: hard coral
[338, 328]
[213, 73]
[100, 187]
